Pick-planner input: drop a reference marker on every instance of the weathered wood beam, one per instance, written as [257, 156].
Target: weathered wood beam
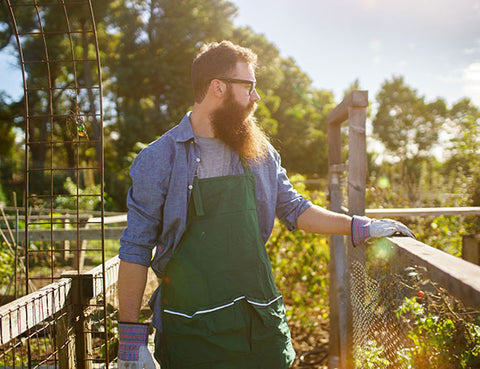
[459, 277]
[355, 99]
[414, 212]
[46, 235]
[26, 312]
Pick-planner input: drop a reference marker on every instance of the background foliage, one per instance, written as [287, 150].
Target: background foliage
[426, 152]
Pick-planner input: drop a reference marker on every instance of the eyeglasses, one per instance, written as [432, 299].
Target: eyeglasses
[252, 84]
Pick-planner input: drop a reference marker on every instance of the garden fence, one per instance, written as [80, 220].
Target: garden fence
[66, 324]
[413, 306]
[395, 303]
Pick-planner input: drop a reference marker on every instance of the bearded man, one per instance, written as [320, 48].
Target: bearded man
[204, 197]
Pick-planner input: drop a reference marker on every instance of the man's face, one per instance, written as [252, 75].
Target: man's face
[242, 92]
[233, 121]
[239, 101]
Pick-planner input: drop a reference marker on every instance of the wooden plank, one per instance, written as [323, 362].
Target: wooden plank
[45, 235]
[111, 275]
[63, 211]
[336, 244]
[459, 277]
[26, 312]
[340, 113]
[122, 218]
[410, 212]
[91, 282]
[471, 249]
[357, 160]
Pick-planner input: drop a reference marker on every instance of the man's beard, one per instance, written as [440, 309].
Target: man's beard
[236, 126]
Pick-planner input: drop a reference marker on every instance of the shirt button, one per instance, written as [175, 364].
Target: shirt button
[198, 160]
[190, 187]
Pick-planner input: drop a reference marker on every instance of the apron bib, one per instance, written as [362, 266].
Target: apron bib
[220, 305]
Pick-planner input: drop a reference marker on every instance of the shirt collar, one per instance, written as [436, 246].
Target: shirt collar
[185, 130]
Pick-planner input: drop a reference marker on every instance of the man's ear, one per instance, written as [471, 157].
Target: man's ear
[218, 88]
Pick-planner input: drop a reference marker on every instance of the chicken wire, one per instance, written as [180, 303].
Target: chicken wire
[403, 319]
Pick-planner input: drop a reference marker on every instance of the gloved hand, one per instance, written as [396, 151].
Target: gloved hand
[132, 349]
[364, 229]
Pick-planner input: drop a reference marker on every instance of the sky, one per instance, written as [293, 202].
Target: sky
[433, 44]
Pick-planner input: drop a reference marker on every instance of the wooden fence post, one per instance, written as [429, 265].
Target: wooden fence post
[336, 246]
[65, 341]
[81, 293]
[471, 249]
[353, 109]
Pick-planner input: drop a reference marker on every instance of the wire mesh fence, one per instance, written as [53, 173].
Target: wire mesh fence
[70, 323]
[64, 183]
[405, 317]
[35, 330]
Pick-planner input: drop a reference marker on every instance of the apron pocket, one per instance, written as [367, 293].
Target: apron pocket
[273, 318]
[215, 336]
[270, 335]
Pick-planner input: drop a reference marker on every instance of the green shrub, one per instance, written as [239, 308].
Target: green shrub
[300, 266]
[437, 340]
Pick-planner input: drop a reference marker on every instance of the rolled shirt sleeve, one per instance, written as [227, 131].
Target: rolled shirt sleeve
[145, 200]
[290, 204]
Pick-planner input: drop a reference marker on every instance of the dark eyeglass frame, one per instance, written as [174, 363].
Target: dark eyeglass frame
[252, 84]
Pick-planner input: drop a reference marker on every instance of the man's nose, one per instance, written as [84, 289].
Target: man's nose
[255, 96]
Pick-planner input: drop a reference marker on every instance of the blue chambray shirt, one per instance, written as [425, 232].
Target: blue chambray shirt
[162, 182]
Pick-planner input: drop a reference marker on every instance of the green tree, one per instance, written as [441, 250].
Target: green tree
[462, 165]
[158, 40]
[60, 88]
[149, 68]
[7, 136]
[405, 123]
[291, 111]
[409, 128]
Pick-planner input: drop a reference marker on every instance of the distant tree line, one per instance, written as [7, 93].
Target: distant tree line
[147, 47]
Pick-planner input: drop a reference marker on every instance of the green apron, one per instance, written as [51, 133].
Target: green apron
[220, 305]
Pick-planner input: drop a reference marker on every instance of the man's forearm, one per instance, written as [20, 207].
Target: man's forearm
[131, 285]
[319, 220]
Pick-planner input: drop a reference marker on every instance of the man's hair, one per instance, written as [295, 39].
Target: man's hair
[217, 60]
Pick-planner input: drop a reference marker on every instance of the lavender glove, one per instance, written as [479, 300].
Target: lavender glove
[132, 349]
[364, 229]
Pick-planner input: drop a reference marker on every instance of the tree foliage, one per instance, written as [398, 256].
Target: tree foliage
[147, 47]
[406, 124]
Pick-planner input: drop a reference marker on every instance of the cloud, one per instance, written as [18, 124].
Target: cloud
[375, 45]
[471, 82]
[474, 49]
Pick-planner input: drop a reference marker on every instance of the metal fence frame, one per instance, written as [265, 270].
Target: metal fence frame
[67, 303]
[66, 107]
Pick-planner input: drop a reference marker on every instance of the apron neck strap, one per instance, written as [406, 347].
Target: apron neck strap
[197, 197]
[246, 167]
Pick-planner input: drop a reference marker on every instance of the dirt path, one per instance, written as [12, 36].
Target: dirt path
[313, 342]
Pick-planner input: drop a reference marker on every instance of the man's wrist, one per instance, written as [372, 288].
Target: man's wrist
[360, 229]
[131, 337]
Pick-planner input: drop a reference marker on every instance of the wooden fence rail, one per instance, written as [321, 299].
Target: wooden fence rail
[459, 277]
[65, 305]
[28, 311]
